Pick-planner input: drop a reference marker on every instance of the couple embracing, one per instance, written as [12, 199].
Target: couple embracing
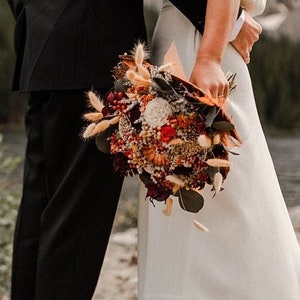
[70, 192]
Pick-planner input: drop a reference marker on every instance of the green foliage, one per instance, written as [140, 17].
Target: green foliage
[6, 56]
[275, 72]
[9, 200]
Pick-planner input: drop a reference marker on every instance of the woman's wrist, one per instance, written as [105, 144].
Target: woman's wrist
[209, 56]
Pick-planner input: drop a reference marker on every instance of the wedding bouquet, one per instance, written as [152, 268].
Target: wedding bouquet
[163, 128]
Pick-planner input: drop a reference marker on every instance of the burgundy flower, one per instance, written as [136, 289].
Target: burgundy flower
[121, 166]
[154, 192]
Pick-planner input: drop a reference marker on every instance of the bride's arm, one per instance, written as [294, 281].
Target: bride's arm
[254, 7]
[207, 73]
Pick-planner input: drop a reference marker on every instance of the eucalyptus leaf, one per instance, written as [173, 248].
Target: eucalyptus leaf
[122, 84]
[190, 200]
[145, 178]
[222, 125]
[102, 142]
[212, 172]
[210, 117]
[162, 86]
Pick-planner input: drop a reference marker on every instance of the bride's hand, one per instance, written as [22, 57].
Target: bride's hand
[209, 77]
[207, 73]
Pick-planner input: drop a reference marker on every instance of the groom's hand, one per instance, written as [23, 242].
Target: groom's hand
[247, 36]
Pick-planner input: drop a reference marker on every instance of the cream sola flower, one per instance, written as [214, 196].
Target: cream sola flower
[157, 112]
[164, 129]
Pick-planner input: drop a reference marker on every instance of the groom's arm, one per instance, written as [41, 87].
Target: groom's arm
[246, 37]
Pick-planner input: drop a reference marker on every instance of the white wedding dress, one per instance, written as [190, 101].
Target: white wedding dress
[250, 251]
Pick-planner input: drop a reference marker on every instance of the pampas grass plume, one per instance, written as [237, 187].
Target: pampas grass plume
[217, 162]
[102, 126]
[168, 209]
[94, 117]
[114, 120]
[200, 226]
[130, 74]
[168, 67]
[89, 131]
[139, 54]
[217, 182]
[95, 101]
[204, 141]
[143, 71]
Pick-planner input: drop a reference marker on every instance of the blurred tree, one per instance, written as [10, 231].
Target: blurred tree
[7, 57]
[275, 75]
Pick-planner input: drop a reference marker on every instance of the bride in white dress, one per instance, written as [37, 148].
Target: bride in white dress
[250, 251]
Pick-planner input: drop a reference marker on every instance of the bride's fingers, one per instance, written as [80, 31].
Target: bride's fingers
[220, 91]
[226, 91]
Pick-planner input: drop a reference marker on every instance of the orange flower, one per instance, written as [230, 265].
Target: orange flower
[183, 121]
[145, 99]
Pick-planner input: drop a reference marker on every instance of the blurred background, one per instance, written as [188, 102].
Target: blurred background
[275, 71]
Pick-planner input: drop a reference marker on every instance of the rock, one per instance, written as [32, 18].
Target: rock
[127, 238]
[118, 279]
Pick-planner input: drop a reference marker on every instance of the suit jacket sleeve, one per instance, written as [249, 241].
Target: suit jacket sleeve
[11, 4]
[16, 7]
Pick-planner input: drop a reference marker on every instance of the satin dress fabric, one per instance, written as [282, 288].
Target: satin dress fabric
[251, 251]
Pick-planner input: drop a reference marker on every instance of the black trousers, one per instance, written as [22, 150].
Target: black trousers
[69, 200]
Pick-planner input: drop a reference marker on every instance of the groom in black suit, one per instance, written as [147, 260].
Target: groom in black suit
[70, 195]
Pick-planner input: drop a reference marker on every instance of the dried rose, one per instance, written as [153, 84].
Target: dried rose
[167, 133]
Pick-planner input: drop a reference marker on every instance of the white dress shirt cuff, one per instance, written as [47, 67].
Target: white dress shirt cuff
[237, 27]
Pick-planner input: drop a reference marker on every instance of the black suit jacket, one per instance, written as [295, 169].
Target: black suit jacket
[194, 11]
[72, 44]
